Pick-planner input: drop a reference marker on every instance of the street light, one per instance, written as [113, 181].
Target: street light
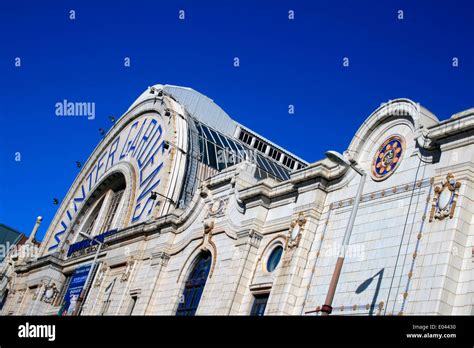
[154, 194]
[83, 292]
[338, 158]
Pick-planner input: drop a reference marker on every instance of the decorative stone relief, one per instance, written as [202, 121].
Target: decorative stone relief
[128, 270]
[208, 224]
[217, 208]
[445, 197]
[101, 275]
[295, 231]
[38, 290]
[159, 258]
[50, 293]
[21, 293]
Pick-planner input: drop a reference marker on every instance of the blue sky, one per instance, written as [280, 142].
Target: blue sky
[282, 62]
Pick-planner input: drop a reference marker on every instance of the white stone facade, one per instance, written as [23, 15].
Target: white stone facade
[405, 256]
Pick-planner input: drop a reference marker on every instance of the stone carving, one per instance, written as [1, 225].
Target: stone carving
[217, 208]
[21, 293]
[50, 293]
[208, 225]
[295, 231]
[101, 275]
[128, 270]
[38, 290]
[445, 197]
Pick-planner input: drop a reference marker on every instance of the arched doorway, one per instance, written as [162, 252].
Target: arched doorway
[195, 285]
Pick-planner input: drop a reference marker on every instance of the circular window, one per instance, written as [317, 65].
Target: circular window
[274, 258]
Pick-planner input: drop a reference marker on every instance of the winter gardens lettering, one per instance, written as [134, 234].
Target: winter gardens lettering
[142, 141]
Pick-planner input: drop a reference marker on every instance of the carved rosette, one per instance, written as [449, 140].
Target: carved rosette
[295, 232]
[445, 197]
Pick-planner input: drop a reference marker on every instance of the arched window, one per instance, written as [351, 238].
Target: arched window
[102, 212]
[99, 214]
[91, 221]
[194, 285]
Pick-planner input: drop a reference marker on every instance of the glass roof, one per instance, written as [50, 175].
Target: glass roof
[220, 151]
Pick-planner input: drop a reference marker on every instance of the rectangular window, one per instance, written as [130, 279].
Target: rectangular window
[105, 307]
[289, 162]
[275, 154]
[259, 304]
[260, 145]
[132, 304]
[107, 295]
[245, 137]
[211, 148]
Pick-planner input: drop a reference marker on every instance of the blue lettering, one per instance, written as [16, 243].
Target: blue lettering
[135, 140]
[112, 153]
[56, 236]
[79, 200]
[135, 217]
[127, 143]
[89, 177]
[139, 158]
[148, 187]
[146, 135]
[99, 165]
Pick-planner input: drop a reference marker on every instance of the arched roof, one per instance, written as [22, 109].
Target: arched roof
[208, 112]
[420, 117]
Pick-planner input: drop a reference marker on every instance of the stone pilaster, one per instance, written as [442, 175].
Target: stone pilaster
[243, 262]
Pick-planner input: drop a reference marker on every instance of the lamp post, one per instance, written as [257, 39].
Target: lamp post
[154, 194]
[337, 157]
[84, 291]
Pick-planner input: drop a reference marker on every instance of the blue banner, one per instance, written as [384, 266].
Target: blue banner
[74, 290]
[87, 242]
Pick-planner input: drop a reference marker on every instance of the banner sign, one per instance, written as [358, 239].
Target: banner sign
[86, 243]
[78, 281]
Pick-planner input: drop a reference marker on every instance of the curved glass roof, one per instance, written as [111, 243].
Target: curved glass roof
[220, 151]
